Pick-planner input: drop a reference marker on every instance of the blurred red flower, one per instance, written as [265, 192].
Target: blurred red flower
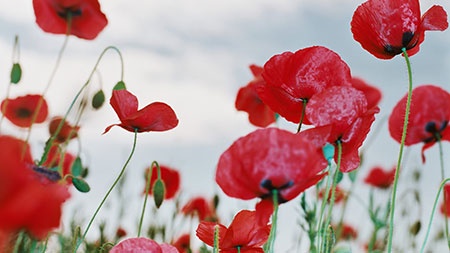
[348, 232]
[340, 115]
[67, 131]
[183, 243]
[156, 116]
[82, 18]
[339, 194]
[266, 160]
[142, 245]
[20, 111]
[292, 78]
[169, 176]
[380, 178]
[259, 114]
[384, 27]
[372, 93]
[54, 160]
[445, 206]
[27, 191]
[201, 207]
[244, 233]
[428, 120]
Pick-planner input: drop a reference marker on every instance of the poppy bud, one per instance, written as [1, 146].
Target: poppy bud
[159, 190]
[98, 99]
[16, 73]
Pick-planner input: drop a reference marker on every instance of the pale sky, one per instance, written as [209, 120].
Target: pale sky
[194, 55]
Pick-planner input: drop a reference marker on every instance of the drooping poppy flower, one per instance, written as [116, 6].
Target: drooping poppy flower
[445, 206]
[384, 27]
[21, 110]
[29, 199]
[142, 245]
[201, 207]
[428, 119]
[372, 93]
[67, 131]
[380, 178]
[183, 243]
[269, 161]
[169, 176]
[82, 18]
[340, 116]
[244, 233]
[339, 194]
[291, 79]
[259, 114]
[156, 116]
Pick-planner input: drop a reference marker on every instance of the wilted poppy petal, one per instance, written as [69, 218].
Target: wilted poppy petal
[21, 110]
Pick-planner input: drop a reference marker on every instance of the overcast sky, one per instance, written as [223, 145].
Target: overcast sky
[194, 55]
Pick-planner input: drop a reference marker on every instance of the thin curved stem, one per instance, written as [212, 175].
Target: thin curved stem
[400, 154]
[441, 159]
[109, 191]
[436, 200]
[147, 190]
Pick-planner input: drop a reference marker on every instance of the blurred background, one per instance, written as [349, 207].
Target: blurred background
[194, 55]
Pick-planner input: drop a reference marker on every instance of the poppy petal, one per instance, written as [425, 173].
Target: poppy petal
[124, 103]
[435, 19]
[156, 116]
[205, 232]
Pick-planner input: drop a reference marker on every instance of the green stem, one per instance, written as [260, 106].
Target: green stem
[441, 159]
[400, 154]
[58, 129]
[109, 191]
[436, 200]
[19, 240]
[216, 239]
[302, 116]
[273, 229]
[147, 190]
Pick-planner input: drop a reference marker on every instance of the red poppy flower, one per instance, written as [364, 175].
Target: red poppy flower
[201, 207]
[445, 206]
[259, 114]
[372, 93]
[156, 116]
[384, 27]
[121, 232]
[340, 115]
[183, 243]
[244, 233]
[348, 232]
[292, 78]
[67, 131]
[428, 120]
[169, 176]
[266, 160]
[27, 193]
[380, 178]
[20, 111]
[54, 158]
[339, 194]
[82, 18]
[142, 245]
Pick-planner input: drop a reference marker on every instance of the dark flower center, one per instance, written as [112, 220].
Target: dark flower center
[66, 12]
[23, 113]
[407, 43]
[435, 132]
[51, 175]
[267, 184]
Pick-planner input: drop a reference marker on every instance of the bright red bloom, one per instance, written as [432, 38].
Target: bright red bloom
[20, 111]
[29, 197]
[380, 178]
[183, 243]
[142, 245]
[266, 160]
[428, 119]
[445, 206]
[339, 194]
[201, 207]
[169, 176]
[292, 78]
[384, 27]
[372, 93]
[156, 116]
[67, 131]
[82, 18]
[340, 115]
[259, 114]
[244, 232]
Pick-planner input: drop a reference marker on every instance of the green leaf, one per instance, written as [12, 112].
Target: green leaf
[80, 184]
[16, 73]
[158, 192]
[352, 175]
[98, 99]
[77, 167]
[120, 86]
[340, 176]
